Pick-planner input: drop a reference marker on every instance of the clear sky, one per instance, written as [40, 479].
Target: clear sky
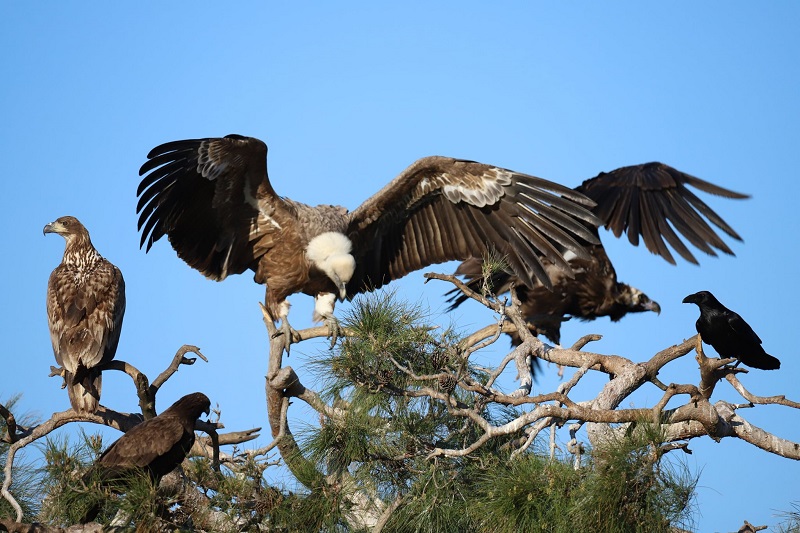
[348, 95]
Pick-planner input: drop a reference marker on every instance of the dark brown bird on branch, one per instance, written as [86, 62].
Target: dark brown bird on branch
[156, 446]
[650, 201]
[85, 307]
[729, 334]
[213, 199]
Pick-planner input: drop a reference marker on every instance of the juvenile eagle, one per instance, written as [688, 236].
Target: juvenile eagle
[156, 446]
[85, 306]
[646, 200]
[213, 199]
[728, 333]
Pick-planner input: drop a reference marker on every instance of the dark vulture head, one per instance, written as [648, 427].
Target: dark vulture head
[632, 300]
[68, 227]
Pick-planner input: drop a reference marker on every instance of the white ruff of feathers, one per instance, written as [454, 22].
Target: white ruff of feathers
[330, 252]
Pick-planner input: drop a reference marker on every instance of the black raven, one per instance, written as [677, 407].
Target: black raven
[728, 333]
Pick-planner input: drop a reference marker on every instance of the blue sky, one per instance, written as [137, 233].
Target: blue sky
[347, 96]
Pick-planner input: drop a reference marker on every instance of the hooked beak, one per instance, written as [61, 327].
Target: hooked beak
[50, 228]
[653, 306]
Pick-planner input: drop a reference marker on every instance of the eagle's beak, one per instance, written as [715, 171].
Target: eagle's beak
[653, 306]
[342, 290]
[49, 228]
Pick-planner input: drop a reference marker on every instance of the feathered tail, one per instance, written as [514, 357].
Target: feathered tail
[84, 390]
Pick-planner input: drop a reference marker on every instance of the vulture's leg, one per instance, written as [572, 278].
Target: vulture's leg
[288, 332]
[323, 311]
[333, 329]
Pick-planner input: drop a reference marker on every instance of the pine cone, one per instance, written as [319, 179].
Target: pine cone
[439, 359]
[447, 383]
[384, 377]
[411, 447]
[267, 500]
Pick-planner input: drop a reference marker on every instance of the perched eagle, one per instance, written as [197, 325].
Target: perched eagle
[85, 306]
[728, 333]
[156, 446]
[214, 201]
[646, 200]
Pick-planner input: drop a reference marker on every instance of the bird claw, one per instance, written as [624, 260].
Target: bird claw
[290, 334]
[333, 329]
[59, 371]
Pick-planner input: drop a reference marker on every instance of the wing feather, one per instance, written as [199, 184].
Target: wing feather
[742, 330]
[652, 201]
[144, 443]
[206, 195]
[441, 209]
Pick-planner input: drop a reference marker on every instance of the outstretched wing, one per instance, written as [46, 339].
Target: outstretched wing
[212, 198]
[652, 201]
[441, 209]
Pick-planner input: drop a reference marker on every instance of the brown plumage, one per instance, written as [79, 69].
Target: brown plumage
[85, 307]
[156, 446]
[214, 201]
[650, 201]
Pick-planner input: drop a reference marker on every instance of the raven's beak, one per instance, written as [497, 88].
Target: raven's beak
[691, 299]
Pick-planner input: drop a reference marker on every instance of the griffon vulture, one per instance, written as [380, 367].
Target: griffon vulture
[85, 306]
[214, 201]
[650, 201]
[156, 446]
[728, 333]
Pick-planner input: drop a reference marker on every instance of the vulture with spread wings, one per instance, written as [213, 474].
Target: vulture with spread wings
[213, 199]
[649, 201]
[156, 446]
[85, 306]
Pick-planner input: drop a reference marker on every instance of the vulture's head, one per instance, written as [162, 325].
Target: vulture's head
[68, 227]
[635, 301]
[701, 298]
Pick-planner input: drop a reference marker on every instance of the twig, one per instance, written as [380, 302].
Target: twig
[179, 359]
[759, 400]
